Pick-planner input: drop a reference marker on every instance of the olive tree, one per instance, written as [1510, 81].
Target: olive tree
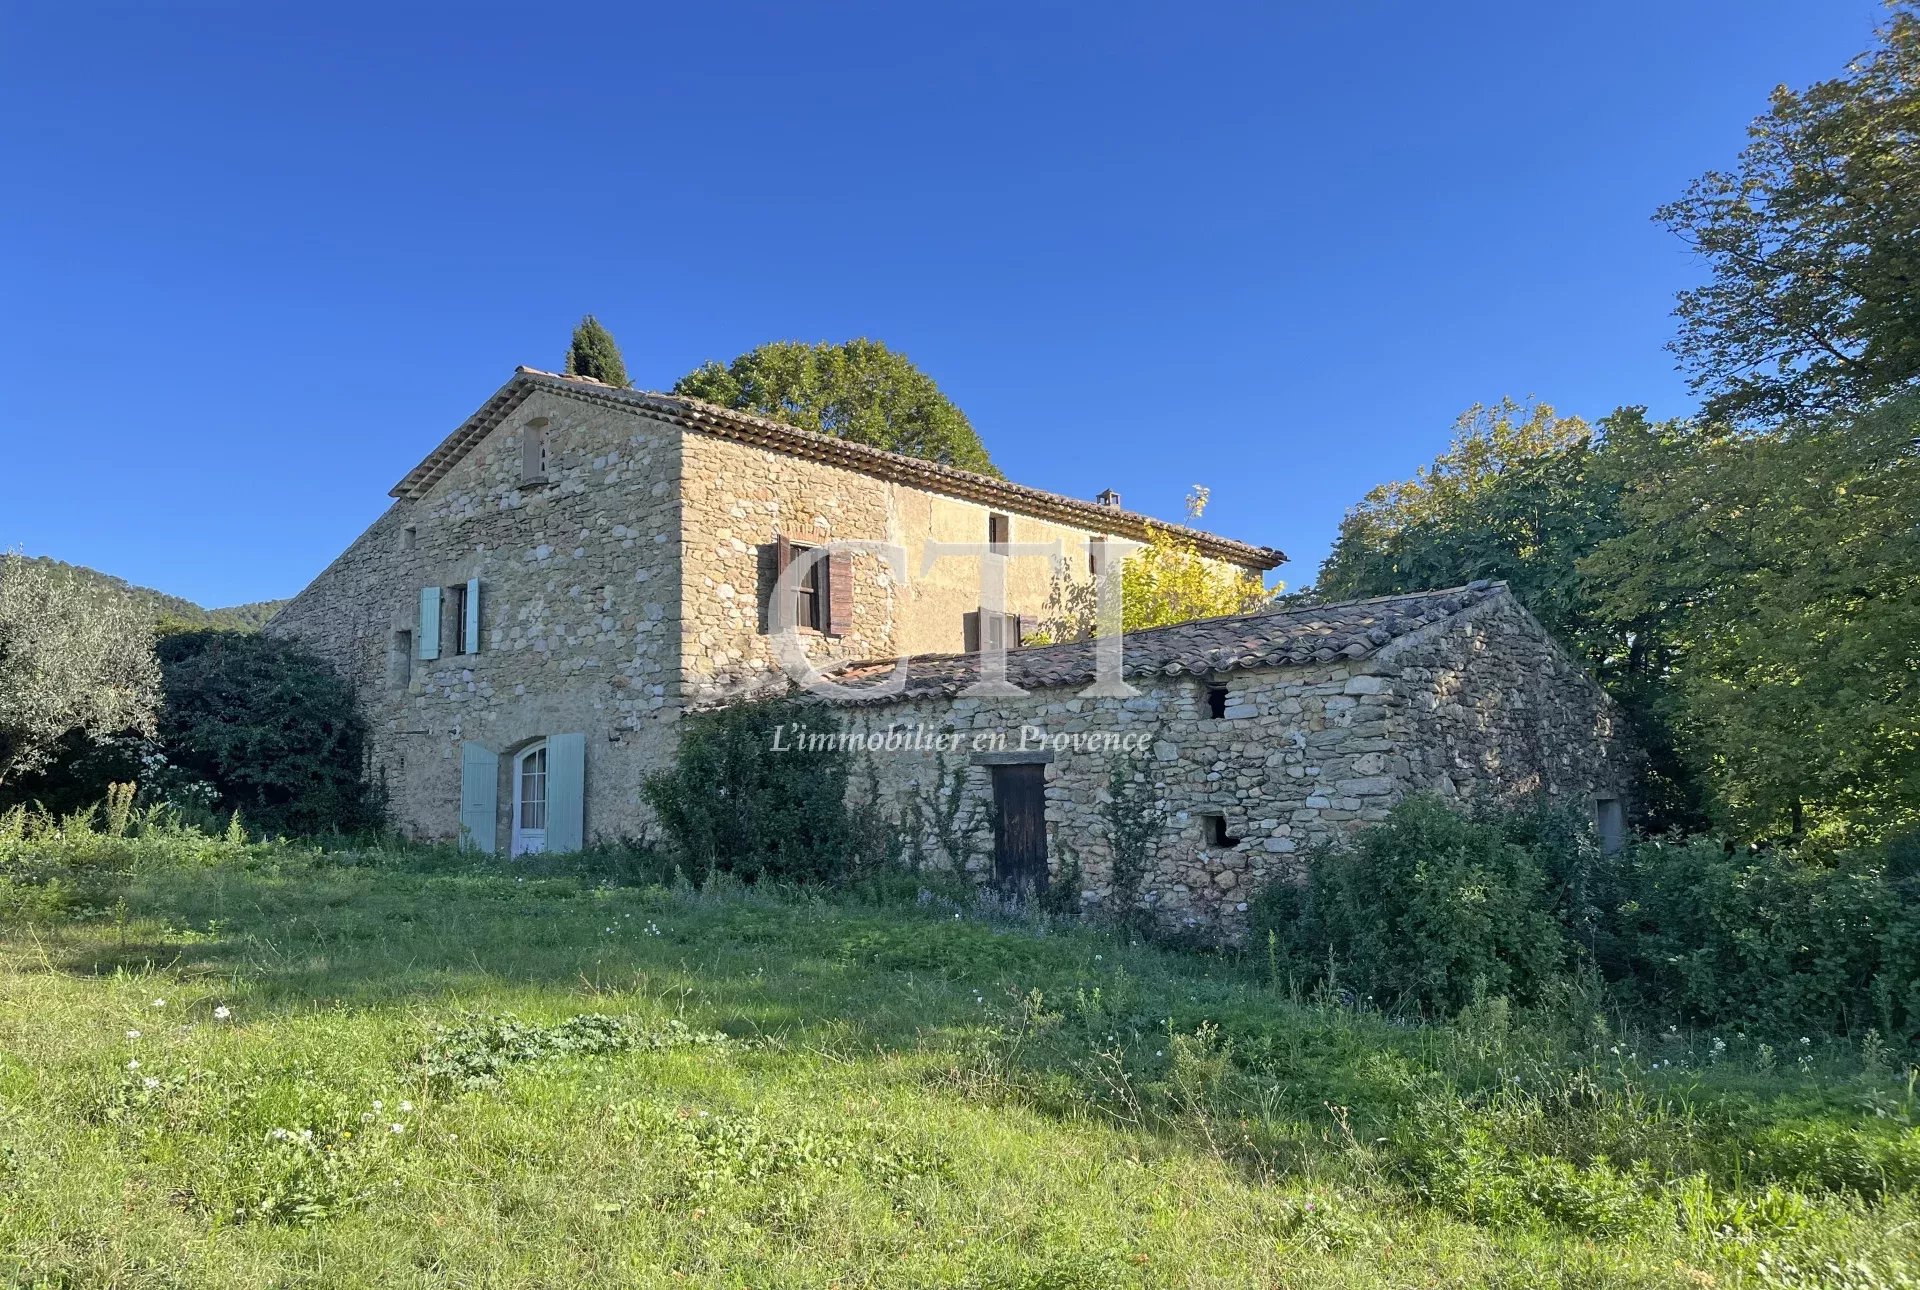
[74, 658]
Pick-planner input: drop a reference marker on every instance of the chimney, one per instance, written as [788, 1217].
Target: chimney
[1108, 497]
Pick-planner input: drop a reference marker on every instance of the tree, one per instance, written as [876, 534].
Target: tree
[1812, 245]
[594, 354]
[1167, 581]
[272, 730]
[859, 390]
[75, 659]
[1515, 497]
[1524, 495]
[1785, 568]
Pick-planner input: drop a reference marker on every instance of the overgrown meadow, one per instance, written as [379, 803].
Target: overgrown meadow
[239, 1064]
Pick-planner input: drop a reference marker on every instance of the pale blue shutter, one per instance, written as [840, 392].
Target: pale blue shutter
[479, 797]
[429, 622]
[473, 615]
[566, 792]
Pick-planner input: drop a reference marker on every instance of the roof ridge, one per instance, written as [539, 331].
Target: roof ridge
[835, 450]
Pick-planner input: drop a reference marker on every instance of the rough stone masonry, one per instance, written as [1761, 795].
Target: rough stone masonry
[576, 566]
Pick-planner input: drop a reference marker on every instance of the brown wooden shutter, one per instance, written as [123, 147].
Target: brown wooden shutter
[839, 569]
[970, 632]
[1023, 627]
[782, 554]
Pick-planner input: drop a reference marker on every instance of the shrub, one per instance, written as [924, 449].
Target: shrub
[734, 802]
[269, 728]
[1427, 908]
[1772, 940]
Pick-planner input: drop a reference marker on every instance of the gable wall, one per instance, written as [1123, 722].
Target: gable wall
[579, 612]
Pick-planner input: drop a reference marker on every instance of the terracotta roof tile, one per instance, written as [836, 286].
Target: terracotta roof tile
[1287, 637]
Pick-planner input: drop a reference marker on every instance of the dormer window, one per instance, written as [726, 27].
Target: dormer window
[533, 452]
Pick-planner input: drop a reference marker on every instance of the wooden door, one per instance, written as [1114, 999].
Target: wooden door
[1020, 828]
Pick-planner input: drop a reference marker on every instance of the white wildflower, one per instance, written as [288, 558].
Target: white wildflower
[222, 1012]
[396, 1128]
[159, 1003]
[133, 1034]
[405, 1107]
[149, 1082]
[134, 1064]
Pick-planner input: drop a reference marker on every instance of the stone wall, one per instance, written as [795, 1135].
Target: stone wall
[739, 497]
[579, 618]
[1302, 756]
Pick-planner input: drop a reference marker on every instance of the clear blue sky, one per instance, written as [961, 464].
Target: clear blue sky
[258, 258]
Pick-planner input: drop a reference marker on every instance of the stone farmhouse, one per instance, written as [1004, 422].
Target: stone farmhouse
[577, 565]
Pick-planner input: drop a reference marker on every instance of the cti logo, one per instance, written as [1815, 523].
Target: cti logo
[1106, 558]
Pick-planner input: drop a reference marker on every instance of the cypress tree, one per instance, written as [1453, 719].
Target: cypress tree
[594, 354]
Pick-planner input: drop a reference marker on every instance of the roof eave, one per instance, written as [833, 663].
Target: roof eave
[709, 418]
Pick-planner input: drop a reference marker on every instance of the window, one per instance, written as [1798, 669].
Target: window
[999, 533]
[1215, 831]
[530, 801]
[806, 596]
[409, 536]
[1216, 700]
[459, 621]
[457, 624]
[400, 660]
[1096, 555]
[1610, 822]
[533, 452]
[986, 630]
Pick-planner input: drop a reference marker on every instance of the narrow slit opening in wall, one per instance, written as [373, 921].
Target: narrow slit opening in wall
[408, 537]
[1216, 831]
[1216, 699]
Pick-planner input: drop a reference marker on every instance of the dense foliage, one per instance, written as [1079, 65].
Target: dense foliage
[858, 390]
[593, 353]
[736, 802]
[1784, 571]
[76, 660]
[1811, 307]
[267, 728]
[1428, 909]
[1433, 910]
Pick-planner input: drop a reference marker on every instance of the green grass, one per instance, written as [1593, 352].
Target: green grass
[621, 1085]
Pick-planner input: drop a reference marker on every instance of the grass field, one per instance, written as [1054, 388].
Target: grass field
[275, 1067]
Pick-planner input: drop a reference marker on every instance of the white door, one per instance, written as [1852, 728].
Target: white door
[530, 801]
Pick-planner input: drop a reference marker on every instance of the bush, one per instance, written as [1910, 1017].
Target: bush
[1772, 940]
[735, 803]
[1426, 909]
[269, 728]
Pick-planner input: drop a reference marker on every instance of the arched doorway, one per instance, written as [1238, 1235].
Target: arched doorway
[530, 800]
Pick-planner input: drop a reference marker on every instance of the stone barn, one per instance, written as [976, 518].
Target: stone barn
[1264, 735]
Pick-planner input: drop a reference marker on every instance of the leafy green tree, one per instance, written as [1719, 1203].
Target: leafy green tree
[1785, 568]
[1514, 497]
[594, 354]
[1166, 581]
[1811, 307]
[76, 660]
[859, 390]
[269, 728]
[1524, 495]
